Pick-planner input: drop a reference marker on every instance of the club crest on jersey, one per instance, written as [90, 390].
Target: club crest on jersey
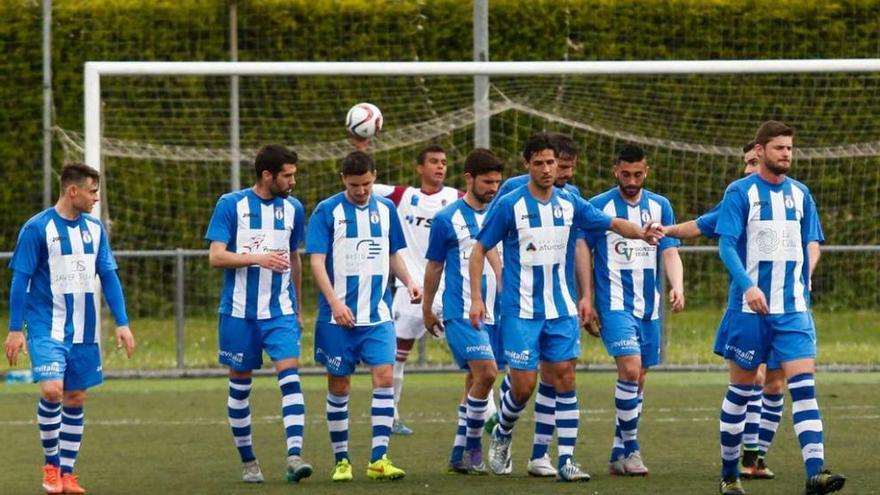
[646, 216]
[415, 200]
[557, 211]
[279, 214]
[87, 237]
[443, 202]
[374, 217]
[789, 201]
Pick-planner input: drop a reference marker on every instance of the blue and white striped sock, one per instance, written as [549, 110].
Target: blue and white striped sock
[567, 418]
[753, 419]
[626, 402]
[617, 449]
[504, 388]
[293, 409]
[509, 414]
[771, 415]
[460, 435]
[337, 423]
[476, 418]
[49, 419]
[545, 419]
[238, 411]
[807, 421]
[382, 415]
[733, 420]
[70, 437]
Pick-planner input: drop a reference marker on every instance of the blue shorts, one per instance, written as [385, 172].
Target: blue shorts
[340, 349]
[526, 341]
[749, 339]
[625, 335]
[721, 341]
[468, 343]
[497, 345]
[77, 365]
[243, 340]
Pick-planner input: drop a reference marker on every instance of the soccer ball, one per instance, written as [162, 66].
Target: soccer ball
[364, 120]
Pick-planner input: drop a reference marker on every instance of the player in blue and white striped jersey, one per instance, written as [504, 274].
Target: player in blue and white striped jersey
[626, 274]
[254, 235]
[60, 254]
[453, 234]
[538, 312]
[766, 223]
[353, 239]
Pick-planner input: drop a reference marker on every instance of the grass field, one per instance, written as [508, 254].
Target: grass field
[171, 436]
[849, 337]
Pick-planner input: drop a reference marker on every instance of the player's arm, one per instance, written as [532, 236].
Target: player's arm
[652, 233]
[475, 272]
[341, 313]
[814, 252]
[686, 230]
[17, 297]
[112, 288]
[398, 269]
[494, 260]
[220, 257]
[296, 277]
[433, 272]
[675, 275]
[732, 216]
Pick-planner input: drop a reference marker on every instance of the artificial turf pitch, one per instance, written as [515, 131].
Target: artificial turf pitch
[171, 436]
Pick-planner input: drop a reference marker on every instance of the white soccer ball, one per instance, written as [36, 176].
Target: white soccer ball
[364, 120]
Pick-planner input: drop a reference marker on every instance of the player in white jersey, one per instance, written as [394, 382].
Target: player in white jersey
[538, 312]
[766, 223]
[453, 234]
[416, 207]
[354, 238]
[60, 255]
[627, 277]
[254, 235]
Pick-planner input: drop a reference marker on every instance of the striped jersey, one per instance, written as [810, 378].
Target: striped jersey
[514, 183]
[358, 242]
[249, 224]
[626, 271]
[772, 225]
[538, 250]
[707, 222]
[63, 258]
[453, 235]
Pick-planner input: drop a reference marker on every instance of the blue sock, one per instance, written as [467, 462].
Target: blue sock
[382, 416]
[753, 419]
[337, 423]
[460, 435]
[771, 415]
[238, 411]
[293, 409]
[49, 419]
[626, 402]
[807, 421]
[567, 419]
[72, 424]
[733, 419]
[545, 419]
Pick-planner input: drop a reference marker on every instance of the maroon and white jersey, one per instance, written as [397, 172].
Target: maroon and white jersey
[416, 210]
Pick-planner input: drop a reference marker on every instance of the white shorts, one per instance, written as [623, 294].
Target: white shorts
[408, 321]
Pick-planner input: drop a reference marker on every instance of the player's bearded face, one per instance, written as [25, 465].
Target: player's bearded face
[631, 177]
[542, 168]
[485, 186]
[284, 181]
[85, 196]
[564, 170]
[777, 154]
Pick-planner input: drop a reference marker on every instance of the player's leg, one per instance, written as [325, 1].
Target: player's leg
[753, 422]
[483, 372]
[650, 341]
[456, 457]
[794, 346]
[333, 349]
[281, 340]
[540, 464]
[773, 400]
[494, 332]
[241, 351]
[408, 327]
[48, 364]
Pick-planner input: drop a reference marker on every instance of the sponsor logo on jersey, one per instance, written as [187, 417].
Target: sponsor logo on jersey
[334, 362]
[767, 241]
[745, 356]
[367, 249]
[530, 247]
[482, 349]
[253, 244]
[418, 221]
[235, 357]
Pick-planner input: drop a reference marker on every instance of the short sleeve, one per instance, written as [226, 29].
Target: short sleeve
[221, 228]
[588, 217]
[396, 241]
[667, 217]
[299, 221]
[26, 256]
[105, 262]
[496, 224]
[707, 222]
[438, 239]
[318, 233]
[812, 225]
[732, 214]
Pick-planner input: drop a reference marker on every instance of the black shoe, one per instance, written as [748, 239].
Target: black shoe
[824, 482]
[731, 485]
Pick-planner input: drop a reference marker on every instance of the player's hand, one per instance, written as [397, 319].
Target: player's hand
[359, 143]
[415, 294]
[342, 314]
[125, 338]
[756, 300]
[277, 262]
[652, 233]
[14, 346]
[676, 299]
[589, 318]
[432, 323]
[477, 313]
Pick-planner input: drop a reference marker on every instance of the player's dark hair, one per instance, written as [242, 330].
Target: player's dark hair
[749, 146]
[565, 145]
[431, 148]
[770, 130]
[482, 161]
[538, 142]
[272, 157]
[76, 174]
[630, 153]
[357, 163]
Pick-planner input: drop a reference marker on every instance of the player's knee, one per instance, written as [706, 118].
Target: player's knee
[76, 398]
[338, 385]
[240, 375]
[484, 379]
[52, 391]
[383, 377]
